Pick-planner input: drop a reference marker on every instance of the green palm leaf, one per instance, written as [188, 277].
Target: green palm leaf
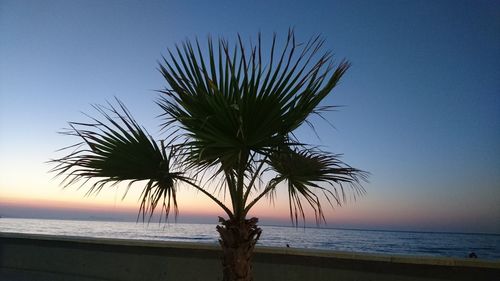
[230, 103]
[117, 150]
[310, 172]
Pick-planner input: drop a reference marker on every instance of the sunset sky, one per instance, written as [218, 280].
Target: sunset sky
[421, 102]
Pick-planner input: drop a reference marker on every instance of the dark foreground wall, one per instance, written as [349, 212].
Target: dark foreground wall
[56, 258]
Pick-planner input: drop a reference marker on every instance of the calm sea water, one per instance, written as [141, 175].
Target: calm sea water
[457, 245]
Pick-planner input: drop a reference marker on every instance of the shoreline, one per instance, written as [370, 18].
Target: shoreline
[406, 244]
[103, 219]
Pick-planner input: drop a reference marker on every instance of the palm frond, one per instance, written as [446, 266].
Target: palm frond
[231, 103]
[309, 172]
[116, 150]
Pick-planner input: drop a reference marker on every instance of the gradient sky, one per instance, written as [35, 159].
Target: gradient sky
[421, 101]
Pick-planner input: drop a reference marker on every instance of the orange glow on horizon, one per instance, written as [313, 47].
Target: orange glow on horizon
[350, 216]
[60, 204]
[98, 206]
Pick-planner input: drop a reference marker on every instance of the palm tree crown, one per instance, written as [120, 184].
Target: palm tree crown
[230, 112]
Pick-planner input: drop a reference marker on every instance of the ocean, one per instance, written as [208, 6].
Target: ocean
[430, 244]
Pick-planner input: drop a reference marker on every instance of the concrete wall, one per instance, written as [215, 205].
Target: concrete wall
[56, 258]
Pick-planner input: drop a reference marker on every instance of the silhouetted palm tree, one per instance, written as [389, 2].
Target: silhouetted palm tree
[230, 117]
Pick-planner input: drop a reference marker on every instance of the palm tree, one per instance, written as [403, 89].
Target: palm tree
[229, 116]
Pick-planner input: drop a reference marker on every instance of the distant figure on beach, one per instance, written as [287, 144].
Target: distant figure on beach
[472, 255]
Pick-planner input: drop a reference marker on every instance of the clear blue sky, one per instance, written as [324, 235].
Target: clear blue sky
[422, 99]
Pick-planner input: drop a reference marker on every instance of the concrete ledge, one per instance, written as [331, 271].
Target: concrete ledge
[45, 257]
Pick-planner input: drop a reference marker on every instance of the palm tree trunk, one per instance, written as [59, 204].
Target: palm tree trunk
[238, 239]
